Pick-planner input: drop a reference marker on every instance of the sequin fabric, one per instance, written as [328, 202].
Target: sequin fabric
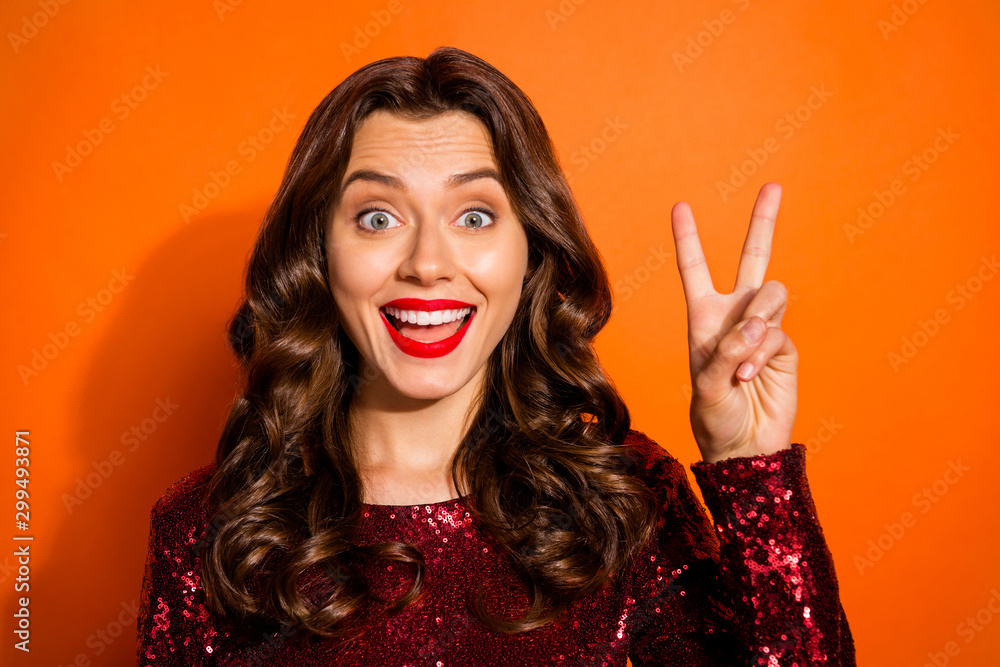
[757, 587]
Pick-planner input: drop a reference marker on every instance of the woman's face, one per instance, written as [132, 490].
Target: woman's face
[422, 229]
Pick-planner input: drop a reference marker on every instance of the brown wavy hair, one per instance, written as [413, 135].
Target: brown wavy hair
[544, 461]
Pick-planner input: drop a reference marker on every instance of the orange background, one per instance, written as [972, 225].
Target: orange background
[878, 434]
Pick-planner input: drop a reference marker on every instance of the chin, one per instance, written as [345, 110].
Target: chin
[426, 389]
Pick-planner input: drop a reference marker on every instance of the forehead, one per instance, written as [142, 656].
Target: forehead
[388, 137]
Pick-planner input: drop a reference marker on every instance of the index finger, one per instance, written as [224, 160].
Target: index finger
[695, 277]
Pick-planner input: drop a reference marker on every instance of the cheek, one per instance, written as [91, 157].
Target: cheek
[500, 272]
[354, 277]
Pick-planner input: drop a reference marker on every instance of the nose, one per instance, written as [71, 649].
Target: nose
[429, 256]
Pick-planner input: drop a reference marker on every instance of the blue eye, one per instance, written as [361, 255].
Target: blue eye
[374, 220]
[477, 218]
[378, 219]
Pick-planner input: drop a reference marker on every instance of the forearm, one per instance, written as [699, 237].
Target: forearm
[775, 559]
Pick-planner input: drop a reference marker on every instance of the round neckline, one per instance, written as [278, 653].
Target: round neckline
[450, 501]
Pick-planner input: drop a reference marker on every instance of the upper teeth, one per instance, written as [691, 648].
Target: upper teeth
[425, 317]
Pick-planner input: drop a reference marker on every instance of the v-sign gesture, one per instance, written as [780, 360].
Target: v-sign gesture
[744, 368]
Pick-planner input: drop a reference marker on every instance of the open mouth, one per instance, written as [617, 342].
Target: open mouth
[428, 327]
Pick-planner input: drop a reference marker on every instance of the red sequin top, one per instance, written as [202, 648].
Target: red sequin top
[759, 589]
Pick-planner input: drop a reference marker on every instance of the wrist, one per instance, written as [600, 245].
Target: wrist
[709, 455]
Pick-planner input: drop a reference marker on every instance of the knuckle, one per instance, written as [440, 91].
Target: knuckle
[704, 381]
[731, 348]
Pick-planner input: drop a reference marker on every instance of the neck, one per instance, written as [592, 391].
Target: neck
[404, 446]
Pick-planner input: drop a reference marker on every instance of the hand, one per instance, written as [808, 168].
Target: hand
[738, 412]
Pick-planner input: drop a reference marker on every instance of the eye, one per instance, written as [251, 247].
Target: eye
[477, 218]
[379, 219]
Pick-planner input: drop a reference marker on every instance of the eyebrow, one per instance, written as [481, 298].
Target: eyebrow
[453, 181]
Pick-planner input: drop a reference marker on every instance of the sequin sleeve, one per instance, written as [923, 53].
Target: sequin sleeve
[757, 589]
[174, 627]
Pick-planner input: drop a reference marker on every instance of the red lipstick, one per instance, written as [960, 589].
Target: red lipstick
[415, 348]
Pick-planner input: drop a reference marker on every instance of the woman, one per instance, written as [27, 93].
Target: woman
[427, 464]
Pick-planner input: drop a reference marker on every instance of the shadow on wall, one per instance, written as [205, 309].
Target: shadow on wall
[150, 410]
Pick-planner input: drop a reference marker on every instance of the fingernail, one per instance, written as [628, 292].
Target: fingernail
[744, 371]
[753, 331]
